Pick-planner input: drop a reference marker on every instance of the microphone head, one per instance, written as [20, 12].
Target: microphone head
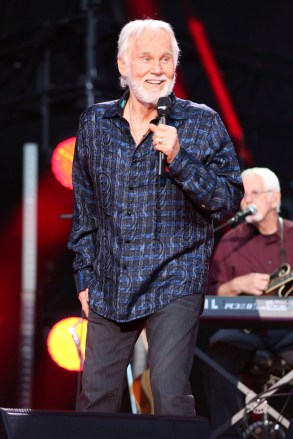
[252, 209]
[164, 106]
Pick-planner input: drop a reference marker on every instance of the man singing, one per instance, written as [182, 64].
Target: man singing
[143, 241]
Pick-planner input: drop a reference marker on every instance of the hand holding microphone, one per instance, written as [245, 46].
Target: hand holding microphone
[165, 139]
[163, 108]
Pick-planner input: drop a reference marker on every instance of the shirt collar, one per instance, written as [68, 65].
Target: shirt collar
[116, 108]
[274, 236]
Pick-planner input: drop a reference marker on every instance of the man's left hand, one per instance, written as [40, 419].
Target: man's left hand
[165, 139]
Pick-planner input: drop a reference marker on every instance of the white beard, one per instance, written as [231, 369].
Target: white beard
[149, 97]
[257, 218]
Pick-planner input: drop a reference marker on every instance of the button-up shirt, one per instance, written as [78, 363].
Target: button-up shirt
[244, 250]
[142, 240]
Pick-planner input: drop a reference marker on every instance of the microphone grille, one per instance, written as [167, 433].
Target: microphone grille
[164, 106]
[253, 209]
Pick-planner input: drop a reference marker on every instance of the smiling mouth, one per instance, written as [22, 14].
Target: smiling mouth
[155, 81]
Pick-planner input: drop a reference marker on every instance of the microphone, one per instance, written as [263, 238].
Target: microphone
[250, 210]
[236, 219]
[164, 108]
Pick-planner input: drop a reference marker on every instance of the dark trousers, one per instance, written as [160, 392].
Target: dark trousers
[171, 334]
[232, 349]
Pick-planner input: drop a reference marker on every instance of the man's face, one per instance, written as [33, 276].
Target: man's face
[266, 201]
[149, 66]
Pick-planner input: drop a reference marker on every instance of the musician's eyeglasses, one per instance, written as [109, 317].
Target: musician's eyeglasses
[256, 194]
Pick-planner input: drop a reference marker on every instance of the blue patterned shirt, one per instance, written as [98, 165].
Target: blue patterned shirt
[143, 240]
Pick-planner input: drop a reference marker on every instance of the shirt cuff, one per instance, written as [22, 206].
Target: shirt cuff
[83, 279]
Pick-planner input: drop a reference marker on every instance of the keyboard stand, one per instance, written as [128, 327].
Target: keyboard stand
[253, 400]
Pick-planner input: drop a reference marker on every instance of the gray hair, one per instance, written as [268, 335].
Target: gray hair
[136, 27]
[271, 181]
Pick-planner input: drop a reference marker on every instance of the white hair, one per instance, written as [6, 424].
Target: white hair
[269, 178]
[136, 27]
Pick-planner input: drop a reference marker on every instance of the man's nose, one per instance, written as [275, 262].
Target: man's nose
[156, 67]
[247, 198]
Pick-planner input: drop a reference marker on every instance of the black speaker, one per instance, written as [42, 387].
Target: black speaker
[34, 424]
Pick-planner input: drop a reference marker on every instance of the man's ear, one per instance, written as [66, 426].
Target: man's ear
[121, 66]
[276, 197]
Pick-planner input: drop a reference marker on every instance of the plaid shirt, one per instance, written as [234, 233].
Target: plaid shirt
[143, 240]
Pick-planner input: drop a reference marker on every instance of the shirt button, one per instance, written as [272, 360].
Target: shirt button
[129, 212]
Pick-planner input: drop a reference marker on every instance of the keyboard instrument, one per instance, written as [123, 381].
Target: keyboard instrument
[248, 309]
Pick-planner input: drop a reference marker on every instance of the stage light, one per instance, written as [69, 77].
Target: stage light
[61, 162]
[66, 343]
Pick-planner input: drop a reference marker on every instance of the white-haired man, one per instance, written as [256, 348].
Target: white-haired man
[242, 263]
[143, 239]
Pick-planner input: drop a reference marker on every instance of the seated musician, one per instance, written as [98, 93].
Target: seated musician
[242, 263]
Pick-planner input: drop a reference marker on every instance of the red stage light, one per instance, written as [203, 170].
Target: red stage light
[66, 343]
[61, 162]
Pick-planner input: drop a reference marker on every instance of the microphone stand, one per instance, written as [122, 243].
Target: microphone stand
[231, 222]
[221, 226]
[239, 217]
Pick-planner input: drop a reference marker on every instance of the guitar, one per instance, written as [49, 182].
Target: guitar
[141, 388]
[142, 392]
[281, 282]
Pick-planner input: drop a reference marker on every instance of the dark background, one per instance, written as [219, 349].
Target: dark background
[51, 70]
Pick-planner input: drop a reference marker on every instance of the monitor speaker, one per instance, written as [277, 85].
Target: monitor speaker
[34, 424]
